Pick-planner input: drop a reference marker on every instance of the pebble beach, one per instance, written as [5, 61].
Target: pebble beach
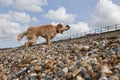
[93, 58]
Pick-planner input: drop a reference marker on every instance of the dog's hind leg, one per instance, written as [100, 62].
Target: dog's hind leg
[31, 41]
[20, 36]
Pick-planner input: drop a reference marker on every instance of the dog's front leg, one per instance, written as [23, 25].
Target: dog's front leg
[48, 42]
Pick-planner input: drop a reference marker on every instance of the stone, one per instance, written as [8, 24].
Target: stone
[103, 78]
[17, 74]
[65, 70]
[86, 48]
[34, 61]
[42, 79]
[26, 78]
[60, 74]
[43, 75]
[70, 62]
[37, 68]
[48, 78]
[56, 70]
[83, 71]
[116, 71]
[50, 75]
[106, 70]
[118, 52]
[49, 64]
[87, 77]
[60, 64]
[114, 45]
[43, 64]
[33, 76]
[1, 78]
[80, 78]
[79, 64]
[113, 78]
[47, 71]
[27, 60]
[75, 72]
[79, 56]
[71, 68]
[68, 76]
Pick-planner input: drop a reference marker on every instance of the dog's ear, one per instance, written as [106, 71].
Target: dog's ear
[58, 28]
[59, 25]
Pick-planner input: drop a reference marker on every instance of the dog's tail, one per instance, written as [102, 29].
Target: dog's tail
[20, 36]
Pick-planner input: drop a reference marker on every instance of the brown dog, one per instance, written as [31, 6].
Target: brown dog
[46, 31]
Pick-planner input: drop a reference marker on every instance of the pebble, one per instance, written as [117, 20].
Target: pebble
[80, 78]
[37, 69]
[43, 75]
[65, 70]
[71, 68]
[103, 78]
[87, 77]
[43, 64]
[114, 78]
[75, 72]
[68, 76]
[50, 75]
[33, 76]
[60, 74]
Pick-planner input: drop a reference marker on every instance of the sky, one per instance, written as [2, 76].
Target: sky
[82, 15]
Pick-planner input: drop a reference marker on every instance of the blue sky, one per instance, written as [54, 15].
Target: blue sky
[82, 15]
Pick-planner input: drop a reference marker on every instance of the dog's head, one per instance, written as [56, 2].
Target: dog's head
[61, 28]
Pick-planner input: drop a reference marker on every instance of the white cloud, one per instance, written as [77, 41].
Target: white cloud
[34, 19]
[5, 16]
[6, 2]
[22, 17]
[79, 27]
[60, 15]
[25, 5]
[14, 23]
[106, 13]
[9, 29]
[34, 8]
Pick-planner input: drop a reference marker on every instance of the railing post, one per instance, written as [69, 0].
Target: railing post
[95, 31]
[80, 34]
[100, 29]
[73, 36]
[108, 28]
[67, 37]
[90, 32]
[77, 35]
[85, 33]
[116, 26]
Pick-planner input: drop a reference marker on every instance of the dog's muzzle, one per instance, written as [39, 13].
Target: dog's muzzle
[68, 26]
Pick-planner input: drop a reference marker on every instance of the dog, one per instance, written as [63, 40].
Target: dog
[46, 31]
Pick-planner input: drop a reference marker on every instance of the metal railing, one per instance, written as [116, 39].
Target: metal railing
[90, 32]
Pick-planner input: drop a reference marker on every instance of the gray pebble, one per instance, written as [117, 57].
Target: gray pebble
[60, 74]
